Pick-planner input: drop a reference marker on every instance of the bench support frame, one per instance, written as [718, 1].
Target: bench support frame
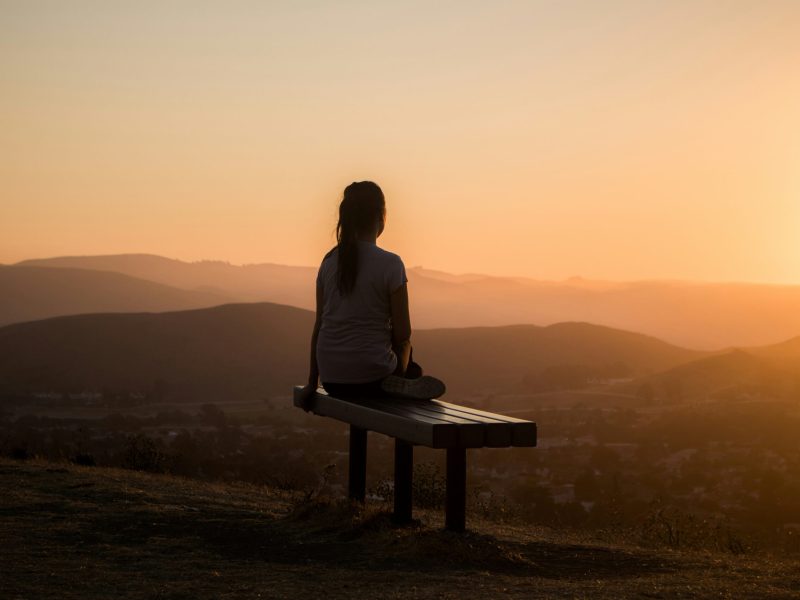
[434, 424]
[357, 481]
[456, 494]
[403, 480]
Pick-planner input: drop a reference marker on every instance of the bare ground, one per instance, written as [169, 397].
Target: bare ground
[81, 532]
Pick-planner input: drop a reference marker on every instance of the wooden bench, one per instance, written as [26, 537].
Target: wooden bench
[431, 423]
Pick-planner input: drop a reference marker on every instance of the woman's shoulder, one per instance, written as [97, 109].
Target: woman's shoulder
[385, 255]
[327, 264]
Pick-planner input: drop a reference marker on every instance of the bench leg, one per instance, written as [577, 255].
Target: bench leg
[455, 512]
[358, 464]
[403, 474]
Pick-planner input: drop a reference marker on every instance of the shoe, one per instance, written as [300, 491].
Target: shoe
[421, 388]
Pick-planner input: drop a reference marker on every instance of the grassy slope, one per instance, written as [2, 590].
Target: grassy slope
[78, 532]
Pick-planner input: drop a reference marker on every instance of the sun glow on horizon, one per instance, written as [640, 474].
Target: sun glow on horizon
[617, 142]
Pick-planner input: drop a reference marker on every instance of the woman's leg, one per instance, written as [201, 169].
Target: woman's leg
[414, 371]
[354, 391]
[414, 384]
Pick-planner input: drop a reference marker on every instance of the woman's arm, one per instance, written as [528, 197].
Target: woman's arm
[401, 328]
[313, 369]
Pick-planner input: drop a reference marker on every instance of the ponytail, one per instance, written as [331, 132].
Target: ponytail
[362, 206]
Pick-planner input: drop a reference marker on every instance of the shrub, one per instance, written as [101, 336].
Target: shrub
[142, 454]
[84, 459]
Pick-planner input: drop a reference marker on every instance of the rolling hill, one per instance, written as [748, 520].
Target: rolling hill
[733, 373]
[31, 293]
[252, 350]
[706, 316]
[500, 357]
[246, 283]
[228, 351]
[786, 354]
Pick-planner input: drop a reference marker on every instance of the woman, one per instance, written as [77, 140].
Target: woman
[361, 342]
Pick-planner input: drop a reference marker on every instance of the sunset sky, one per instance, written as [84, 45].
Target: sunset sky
[614, 140]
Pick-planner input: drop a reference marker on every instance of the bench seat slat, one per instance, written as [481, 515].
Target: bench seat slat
[432, 434]
[523, 433]
[496, 434]
[501, 431]
[470, 433]
[478, 412]
[430, 423]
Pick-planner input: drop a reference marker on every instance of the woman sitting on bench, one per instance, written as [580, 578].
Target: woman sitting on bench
[361, 342]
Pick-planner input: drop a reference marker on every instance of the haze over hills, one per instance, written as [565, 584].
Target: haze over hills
[253, 350]
[30, 293]
[246, 283]
[707, 316]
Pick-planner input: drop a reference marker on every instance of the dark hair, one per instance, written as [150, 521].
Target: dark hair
[362, 207]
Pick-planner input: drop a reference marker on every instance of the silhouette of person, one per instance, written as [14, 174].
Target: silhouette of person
[361, 341]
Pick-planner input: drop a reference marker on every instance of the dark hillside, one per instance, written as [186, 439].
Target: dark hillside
[251, 350]
[480, 357]
[226, 352]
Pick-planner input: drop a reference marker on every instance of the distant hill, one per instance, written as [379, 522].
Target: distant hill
[227, 351]
[498, 357]
[239, 350]
[246, 283]
[706, 316]
[31, 293]
[785, 354]
[736, 374]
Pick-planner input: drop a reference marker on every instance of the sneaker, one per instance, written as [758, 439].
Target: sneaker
[422, 388]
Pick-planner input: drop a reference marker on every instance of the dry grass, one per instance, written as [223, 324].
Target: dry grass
[82, 532]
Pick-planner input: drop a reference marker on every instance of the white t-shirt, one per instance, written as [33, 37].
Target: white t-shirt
[355, 337]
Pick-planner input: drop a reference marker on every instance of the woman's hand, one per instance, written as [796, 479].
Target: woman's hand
[401, 328]
[305, 394]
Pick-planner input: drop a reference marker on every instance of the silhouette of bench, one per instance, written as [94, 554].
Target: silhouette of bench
[431, 423]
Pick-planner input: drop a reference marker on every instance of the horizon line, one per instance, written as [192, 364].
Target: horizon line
[531, 278]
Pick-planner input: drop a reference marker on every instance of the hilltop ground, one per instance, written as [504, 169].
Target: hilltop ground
[82, 532]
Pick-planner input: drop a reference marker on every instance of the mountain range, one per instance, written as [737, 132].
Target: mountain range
[37, 292]
[255, 350]
[703, 316]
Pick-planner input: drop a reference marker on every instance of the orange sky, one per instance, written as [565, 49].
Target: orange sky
[617, 140]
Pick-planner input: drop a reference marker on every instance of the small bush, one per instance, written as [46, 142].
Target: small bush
[84, 459]
[429, 487]
[142, 454]
[671, 527]
[20, 453]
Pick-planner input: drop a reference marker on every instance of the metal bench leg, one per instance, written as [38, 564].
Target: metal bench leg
[358, 463]
[403, 473]
[455, 512]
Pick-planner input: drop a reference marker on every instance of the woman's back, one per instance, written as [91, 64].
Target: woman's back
[355, 336]
[361, 341]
